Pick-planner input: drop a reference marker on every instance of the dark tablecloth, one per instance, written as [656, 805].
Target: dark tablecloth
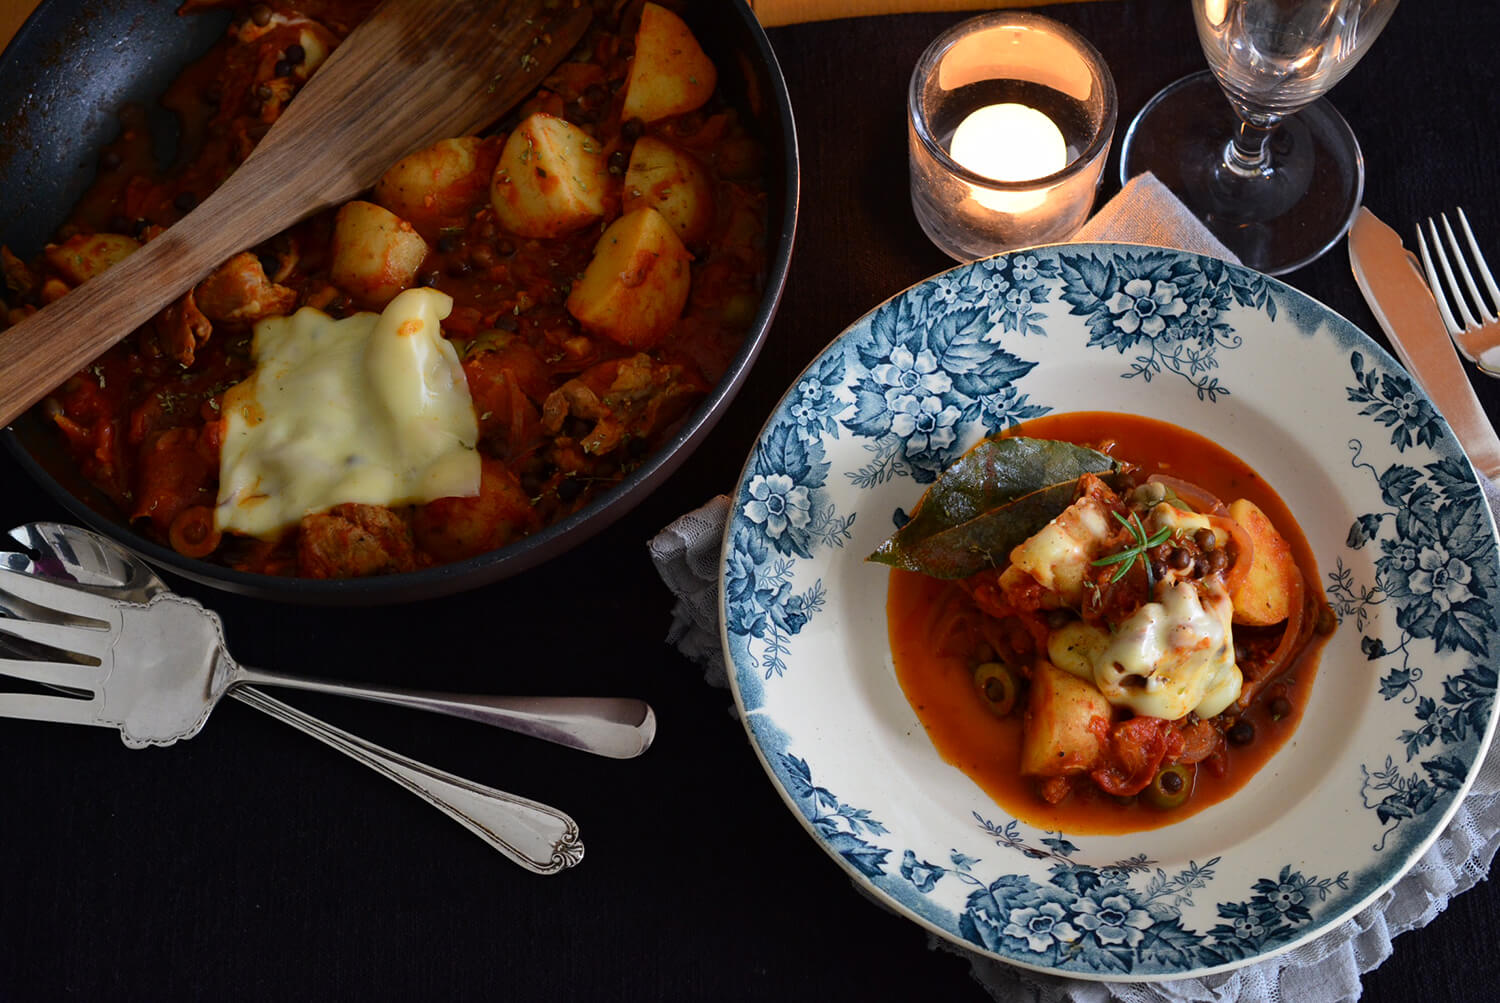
[252, 862]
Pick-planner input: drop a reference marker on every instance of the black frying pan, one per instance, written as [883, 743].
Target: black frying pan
[73, 65]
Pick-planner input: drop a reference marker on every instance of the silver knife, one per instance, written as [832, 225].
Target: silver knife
[1393, 286]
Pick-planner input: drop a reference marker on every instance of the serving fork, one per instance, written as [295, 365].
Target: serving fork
[1478, 337]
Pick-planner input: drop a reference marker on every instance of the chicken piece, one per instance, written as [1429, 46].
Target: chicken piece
[1060, 554]
[179, 330]
[238, 291]
[622, 397]
[354, 541]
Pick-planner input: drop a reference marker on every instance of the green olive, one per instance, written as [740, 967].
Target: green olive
[1170, 788]
[997, 685]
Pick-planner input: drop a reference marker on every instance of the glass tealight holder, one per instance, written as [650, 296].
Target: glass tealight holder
[1009, 121]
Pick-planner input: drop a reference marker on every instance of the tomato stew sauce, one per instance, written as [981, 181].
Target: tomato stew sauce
[563, 413]
[939, 683]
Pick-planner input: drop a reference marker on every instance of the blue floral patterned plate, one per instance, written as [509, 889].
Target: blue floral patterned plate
[1399, 715]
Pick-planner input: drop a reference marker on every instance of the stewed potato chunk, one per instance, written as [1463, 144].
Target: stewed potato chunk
[435, 186]
[376, 253]
[672, 182]
[670, 74]
[635, 287]
[550, 178]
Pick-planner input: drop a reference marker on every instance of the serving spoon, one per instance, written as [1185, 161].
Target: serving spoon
[414, 72]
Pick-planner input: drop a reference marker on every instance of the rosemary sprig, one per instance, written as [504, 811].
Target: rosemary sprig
[1136, 550]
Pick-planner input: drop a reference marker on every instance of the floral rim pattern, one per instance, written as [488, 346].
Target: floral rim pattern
[1243, 358]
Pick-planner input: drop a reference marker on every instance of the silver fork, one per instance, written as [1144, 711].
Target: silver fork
[1478, 337]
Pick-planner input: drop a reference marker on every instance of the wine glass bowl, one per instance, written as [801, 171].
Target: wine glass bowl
[1274, 57]
[1251, 147]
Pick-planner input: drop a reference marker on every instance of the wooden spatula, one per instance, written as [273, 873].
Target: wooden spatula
[415, 72]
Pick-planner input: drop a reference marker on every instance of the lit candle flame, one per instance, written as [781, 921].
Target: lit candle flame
[1009, 142]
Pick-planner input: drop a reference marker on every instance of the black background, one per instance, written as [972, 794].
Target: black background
[254, 863]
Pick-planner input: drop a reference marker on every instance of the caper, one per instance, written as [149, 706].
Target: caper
[1170, 788]
[1178, 559]
[997, 685]
[1205, 539]
[1280, 708]
[1149, 494]
[1242, 732]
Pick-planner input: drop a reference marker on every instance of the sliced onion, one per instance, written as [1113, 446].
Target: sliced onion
[1299, 627]
[1236, 573]
[1202, 499]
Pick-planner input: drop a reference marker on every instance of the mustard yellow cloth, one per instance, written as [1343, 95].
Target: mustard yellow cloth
[12, 14]
[770, 12]
[777, 12]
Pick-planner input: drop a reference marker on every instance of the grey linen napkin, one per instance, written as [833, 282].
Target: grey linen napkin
[686, 554]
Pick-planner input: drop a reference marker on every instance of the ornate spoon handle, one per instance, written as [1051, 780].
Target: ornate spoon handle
[536, 836]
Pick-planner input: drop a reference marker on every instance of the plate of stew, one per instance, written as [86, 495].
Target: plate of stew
[1113, 611]
[592, 277]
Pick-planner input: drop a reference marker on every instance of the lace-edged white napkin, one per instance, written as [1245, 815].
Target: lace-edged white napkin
[686, 554]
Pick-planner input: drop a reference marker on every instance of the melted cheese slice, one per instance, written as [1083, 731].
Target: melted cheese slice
[373, 409]
[1172, 656]
[1059, 555]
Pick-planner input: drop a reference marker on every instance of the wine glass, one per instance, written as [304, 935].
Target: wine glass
[1274, 172]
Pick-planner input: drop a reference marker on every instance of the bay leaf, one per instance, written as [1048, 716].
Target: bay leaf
[992, 498]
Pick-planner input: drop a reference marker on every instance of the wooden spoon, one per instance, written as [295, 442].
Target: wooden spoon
[414, 72]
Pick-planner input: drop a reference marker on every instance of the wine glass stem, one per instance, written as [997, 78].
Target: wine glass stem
[1248, 154]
